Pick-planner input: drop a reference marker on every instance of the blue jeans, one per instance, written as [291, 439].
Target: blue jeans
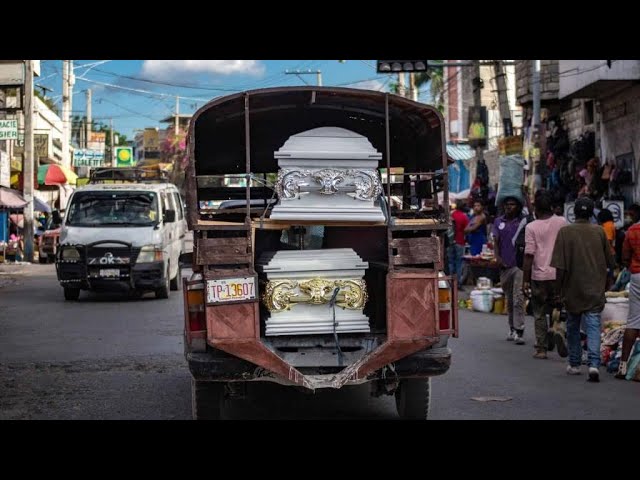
[592, 329]
[455, 253]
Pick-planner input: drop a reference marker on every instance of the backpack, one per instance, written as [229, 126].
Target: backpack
[519, 242]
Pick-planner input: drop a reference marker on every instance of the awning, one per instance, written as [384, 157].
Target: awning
[460, 152]
[10, 198]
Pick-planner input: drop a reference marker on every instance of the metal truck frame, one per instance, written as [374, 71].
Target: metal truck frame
[235, 137]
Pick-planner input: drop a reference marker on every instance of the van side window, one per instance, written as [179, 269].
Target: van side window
[166, 202]
[178, 202]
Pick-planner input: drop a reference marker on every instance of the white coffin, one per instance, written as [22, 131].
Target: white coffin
[328, 173]
[298, 267]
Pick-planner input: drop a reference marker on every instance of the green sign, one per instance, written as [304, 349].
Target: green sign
[124, 157]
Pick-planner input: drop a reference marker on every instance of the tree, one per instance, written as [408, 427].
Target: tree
[434, 76]
[47, 101]
[174, 152]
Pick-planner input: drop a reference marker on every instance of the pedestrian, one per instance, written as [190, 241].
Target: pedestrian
[631, 260]
[605, 220]
[584, 266]
[477, 229]
[539, 276]
[455, 250]
[505, 229]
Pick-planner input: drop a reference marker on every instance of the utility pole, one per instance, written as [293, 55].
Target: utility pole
[176, 126]
[66, 114]
[28, 161]
[503, 98]
[298, 73]
[113, 147]
[402, 89]
[535, 123]
[88, 134]
[477, 100]
[413, 91]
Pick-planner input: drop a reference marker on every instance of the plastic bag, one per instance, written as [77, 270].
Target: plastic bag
[511, 178]
[633, 365]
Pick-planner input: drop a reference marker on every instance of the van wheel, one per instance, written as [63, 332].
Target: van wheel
[163, 292]
[413, 398]
[176, 281]
[206, 400]
[71, 293]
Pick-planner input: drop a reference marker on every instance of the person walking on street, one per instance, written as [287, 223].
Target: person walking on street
[477, 229]
[583, 262]
[539, 276]
[456, 249]
[505, 229]
[631, 260]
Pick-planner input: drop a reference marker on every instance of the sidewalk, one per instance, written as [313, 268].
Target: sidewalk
[9, 272]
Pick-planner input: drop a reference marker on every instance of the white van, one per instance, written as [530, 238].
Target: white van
[122, 236]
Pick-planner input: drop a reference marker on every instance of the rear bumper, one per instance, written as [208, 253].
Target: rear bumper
[218, 366]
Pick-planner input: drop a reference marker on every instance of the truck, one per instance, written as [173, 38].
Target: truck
[319, 216]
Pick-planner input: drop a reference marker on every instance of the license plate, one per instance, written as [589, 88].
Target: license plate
[231, 289]
[109, 272]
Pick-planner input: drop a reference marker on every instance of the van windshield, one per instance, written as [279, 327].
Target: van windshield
[98, 209]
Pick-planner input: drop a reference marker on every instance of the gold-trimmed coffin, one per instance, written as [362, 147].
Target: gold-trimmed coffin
[282, 294]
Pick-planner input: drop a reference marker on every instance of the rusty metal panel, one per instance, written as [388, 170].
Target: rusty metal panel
[237, 321]
[412, 300]
[412, 251]
[223, 251]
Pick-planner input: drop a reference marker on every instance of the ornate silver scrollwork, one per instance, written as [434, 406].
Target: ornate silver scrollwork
[366, 184]
[288, 185]
[328, 180]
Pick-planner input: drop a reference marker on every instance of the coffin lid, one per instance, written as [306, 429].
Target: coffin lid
[330, 143]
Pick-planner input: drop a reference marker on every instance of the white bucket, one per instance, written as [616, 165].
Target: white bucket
[482, 300]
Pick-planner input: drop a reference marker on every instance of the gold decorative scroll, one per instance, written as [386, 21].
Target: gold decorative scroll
[281, 295]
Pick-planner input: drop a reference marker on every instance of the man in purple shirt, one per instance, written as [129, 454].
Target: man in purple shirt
[504, 231]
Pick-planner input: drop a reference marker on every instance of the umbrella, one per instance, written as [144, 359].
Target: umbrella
[17, 219]
[10, 198]
[55, 175]
[40, 206]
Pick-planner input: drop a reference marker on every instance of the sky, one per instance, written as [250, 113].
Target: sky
[139, 93]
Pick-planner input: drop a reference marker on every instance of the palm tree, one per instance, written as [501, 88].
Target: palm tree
[435, 77]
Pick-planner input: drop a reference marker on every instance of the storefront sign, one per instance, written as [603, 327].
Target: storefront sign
[9, 129]
[617, 210]
[5, 169]
[569, 212]
[510, 146]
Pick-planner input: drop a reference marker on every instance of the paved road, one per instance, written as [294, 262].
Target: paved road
[108, 357]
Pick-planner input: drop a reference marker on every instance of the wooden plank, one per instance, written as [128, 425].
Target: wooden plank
[215, 258]
[223, 242]
[223, 251]
[411, 251]
[415, 221]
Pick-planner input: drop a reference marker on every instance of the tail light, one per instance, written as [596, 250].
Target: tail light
[195, 308]
[447, 305]
[195, 315]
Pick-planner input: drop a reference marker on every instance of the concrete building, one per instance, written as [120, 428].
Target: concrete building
[459, 97]
[458, 84]
[147, 146]
[609, 95]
